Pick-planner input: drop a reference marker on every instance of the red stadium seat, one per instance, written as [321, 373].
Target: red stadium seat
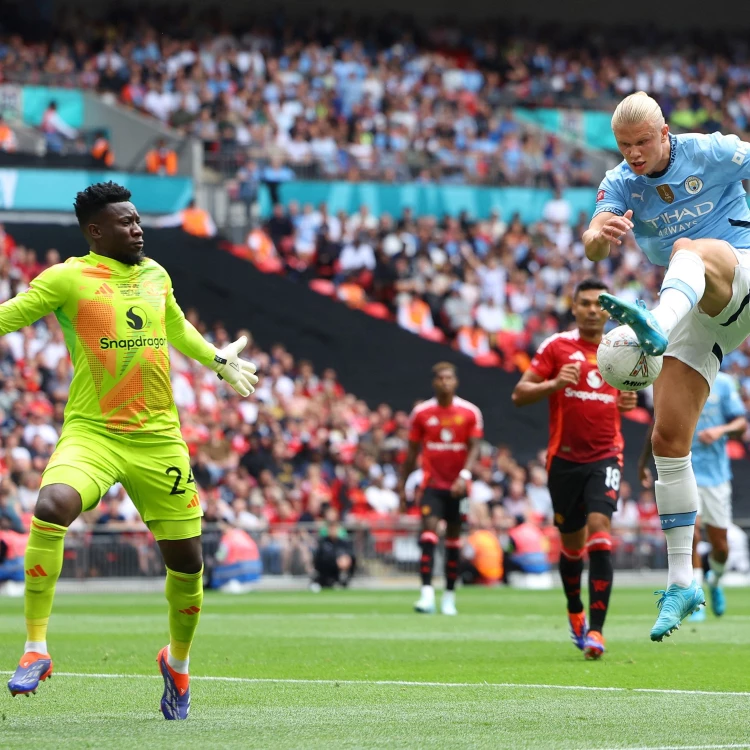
[434, 335]
[240, 251]
[492, 359]
[377, 310]
[270, 265]
[639, 414]
[736, 451]
[324, 287]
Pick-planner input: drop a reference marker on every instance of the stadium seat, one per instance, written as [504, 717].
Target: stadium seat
[270, 265]
[639, 414]
[434, 335]
[377, 310]
[241, 251]
[491, 359]
[736, 451]
[324, 287]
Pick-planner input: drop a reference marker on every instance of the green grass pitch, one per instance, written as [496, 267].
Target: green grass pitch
[342, 669]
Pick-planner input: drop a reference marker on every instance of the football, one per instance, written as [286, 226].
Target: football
[622, 362]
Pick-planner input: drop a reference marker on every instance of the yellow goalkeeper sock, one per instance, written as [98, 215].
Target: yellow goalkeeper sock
[42, 565]
[184, 592]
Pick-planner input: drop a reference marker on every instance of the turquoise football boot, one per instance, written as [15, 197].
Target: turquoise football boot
[649, 333]
[718, 603]
[675, 604]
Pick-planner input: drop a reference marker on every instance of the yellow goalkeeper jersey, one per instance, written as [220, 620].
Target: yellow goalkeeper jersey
[117, 321]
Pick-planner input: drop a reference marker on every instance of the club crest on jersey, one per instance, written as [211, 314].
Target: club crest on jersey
[693, 185]
[641, 368]
[665, 193]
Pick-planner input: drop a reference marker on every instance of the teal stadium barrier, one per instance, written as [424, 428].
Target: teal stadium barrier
[431, 200]
[36, 99]
[592, 129]
[55, 189]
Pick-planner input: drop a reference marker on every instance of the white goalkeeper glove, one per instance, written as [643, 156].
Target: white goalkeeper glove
[239, 373]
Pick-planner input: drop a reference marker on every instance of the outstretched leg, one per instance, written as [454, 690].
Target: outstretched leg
[601, 574]
[700, 272]
[679, 395]
[452, 553]
[184, 592]
[571, 570]
[428, 541]
[57, 507]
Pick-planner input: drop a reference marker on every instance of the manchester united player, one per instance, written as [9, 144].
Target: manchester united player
[583, 457]
[447, 429]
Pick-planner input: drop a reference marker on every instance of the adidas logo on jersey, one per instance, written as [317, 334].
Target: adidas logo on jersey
[105, 289]
[432, 421]
[577, 357]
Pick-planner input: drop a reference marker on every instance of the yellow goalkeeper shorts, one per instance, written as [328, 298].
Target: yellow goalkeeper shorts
[156, 474]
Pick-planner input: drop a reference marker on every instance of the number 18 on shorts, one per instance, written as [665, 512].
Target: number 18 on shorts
[579, 489]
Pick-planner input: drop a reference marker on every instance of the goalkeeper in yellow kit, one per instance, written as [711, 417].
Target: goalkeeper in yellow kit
[118, 313]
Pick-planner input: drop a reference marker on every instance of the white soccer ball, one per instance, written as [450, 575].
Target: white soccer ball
[622, 362]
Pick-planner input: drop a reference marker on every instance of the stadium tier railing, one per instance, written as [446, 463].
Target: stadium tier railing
[383, 549]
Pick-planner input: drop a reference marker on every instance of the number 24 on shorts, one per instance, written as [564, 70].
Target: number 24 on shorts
[175, 471]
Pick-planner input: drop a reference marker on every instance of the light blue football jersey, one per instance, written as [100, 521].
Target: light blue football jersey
[710, 462]
[698, 196]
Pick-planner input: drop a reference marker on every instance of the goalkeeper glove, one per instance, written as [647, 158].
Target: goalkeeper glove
[239, 373]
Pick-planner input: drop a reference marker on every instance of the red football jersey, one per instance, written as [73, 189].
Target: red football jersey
[584, 421]
[444, 432]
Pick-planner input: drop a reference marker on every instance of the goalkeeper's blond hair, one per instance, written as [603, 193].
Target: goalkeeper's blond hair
[637, 109]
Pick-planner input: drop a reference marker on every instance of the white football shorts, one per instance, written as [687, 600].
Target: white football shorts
[701, 341]
[715, 505]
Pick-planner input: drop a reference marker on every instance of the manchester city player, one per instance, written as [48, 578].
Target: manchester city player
[722, 416]
[683, 198]
[118, 313]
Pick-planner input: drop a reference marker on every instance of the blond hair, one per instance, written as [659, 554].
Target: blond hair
[637, 109]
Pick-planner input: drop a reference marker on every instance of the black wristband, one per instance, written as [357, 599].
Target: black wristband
[219, 361]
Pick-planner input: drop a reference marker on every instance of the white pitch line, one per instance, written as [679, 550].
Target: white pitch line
[412, 683]
[679, 747]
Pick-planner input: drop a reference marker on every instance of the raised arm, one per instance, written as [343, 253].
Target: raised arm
[604, 229]
[226, 362]
[183, 335]
[611, 219]
[533, 387]
[47, 293]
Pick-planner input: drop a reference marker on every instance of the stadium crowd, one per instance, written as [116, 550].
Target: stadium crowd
[300, 451]
[331, 97]
[494, 289]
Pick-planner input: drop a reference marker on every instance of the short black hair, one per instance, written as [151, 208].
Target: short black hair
[440, 366]
[95, 197]
[590, 283]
